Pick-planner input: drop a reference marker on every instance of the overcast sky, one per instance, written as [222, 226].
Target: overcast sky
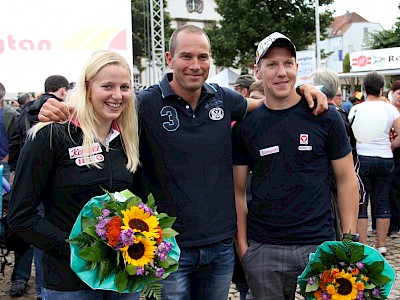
[384, 12]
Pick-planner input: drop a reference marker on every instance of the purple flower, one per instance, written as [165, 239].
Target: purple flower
[360, 265]
[325, 296]
[162, 256]
[163, 249]
[165, 246]
[159, 272]
[310, 281]
[127, 237]
[360, 295]
[103, 222]
[146, 208]
[105, 212]
[101, 232]
[139, 270]
[375, 292]
[342, 263]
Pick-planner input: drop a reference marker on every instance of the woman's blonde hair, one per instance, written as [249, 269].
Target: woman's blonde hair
[79, 98]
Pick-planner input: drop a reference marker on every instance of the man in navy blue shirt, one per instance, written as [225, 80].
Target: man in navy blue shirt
[289, 152]
[186, 156]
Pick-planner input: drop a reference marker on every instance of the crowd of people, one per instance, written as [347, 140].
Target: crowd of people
[255, 171]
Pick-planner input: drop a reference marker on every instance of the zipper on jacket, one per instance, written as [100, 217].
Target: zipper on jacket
[107, 142]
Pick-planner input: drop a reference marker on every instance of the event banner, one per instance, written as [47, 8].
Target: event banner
[375, 60]
[46, 37]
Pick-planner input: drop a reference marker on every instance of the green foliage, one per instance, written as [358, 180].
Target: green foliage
[121, 281]
[94, 253]
[346, 63]
[166, 222]
[82, 241]
[169, 233]
[386, 38]
[234, 39]
[106, 269]
[152, 290]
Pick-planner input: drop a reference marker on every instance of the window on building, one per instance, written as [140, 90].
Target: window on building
[350, 48]
[365, 34]
[136, 78]
[194, 5]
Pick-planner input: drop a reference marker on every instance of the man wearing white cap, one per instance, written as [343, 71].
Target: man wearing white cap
[290, 152]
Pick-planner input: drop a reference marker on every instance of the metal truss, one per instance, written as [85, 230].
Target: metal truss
[157, 39]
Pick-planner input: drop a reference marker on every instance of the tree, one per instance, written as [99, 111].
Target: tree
[386, 38]
[246, 22]
[346, 63]
[141, 32]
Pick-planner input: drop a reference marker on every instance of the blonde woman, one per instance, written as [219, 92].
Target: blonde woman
[63, 165]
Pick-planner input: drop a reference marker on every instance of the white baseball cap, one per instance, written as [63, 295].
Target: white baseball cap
[274, 39]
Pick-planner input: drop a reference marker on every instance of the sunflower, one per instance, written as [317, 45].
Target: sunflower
[140, 253]
[346, 287]
[137, 219]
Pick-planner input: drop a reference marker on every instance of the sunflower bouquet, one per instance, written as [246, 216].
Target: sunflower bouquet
[345, 271]
[122, 244]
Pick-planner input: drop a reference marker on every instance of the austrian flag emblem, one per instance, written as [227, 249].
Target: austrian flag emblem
[303, 139]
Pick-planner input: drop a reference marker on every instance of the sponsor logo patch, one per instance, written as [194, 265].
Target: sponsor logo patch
[78, 151]
[303, 138]
[216, 114]
[305, 148]
[83, 161]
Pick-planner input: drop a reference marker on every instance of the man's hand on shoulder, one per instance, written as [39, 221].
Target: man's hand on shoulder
[312, 93]
[253, 103]
[54, 110]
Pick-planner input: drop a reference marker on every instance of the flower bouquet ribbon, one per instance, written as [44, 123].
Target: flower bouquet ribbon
[346, 270]
[119, 243]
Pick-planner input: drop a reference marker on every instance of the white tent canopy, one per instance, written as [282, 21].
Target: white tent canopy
[224, 77]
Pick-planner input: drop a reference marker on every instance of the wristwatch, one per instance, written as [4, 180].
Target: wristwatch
[350, 236]
[298, 90]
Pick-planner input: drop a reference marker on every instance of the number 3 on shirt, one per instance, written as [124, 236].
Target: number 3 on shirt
[171, 116]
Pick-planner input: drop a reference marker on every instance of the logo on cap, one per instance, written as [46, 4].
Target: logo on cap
[266, 43]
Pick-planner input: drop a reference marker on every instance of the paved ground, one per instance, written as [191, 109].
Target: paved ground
[393, 257]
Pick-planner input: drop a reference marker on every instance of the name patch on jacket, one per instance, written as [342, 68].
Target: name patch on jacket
[269, 151]
[82, 159]
[78, 151]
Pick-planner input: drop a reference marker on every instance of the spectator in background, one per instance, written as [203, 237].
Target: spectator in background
[376, 164]
[242, 84]
[394, 192]
[56, 87]
[23, 99]
[338, 99]
[8, 116]
[357, 98]
[329, 81]
[257, 90]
